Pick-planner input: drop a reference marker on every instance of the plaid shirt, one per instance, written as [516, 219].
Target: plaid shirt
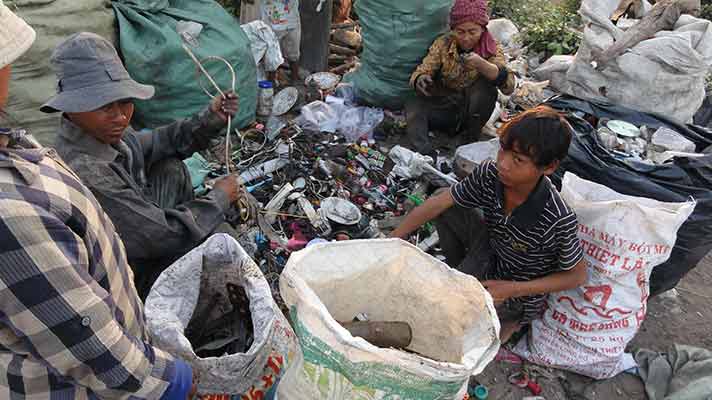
[71, 323]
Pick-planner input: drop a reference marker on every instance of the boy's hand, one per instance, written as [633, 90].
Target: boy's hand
[501, 291]
[225, 106]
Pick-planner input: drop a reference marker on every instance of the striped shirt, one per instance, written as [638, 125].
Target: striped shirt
[538, 237]
[71, 323]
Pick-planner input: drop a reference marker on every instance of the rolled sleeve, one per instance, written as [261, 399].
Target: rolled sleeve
[64, 316]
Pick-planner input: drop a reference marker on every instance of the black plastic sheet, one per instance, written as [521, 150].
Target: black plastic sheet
[678, 181]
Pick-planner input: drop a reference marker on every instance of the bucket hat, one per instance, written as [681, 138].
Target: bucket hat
[90, 75]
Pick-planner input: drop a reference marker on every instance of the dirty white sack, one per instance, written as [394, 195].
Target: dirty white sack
[454, 323]
[554, 70]
[177, 294]
[586, 330]
[664, 74]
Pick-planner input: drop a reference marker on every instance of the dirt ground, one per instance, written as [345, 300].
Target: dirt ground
[682, 319]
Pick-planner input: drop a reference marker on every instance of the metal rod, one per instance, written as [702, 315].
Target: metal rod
[202, 69]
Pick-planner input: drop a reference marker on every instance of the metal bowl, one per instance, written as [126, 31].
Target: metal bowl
[284, 101]
[623, 129]
[340, 211]
[323, 80]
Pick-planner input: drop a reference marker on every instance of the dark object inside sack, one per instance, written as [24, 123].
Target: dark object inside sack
[231, 332]
[397, 335]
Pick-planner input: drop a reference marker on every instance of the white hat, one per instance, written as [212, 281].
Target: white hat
[15, 36]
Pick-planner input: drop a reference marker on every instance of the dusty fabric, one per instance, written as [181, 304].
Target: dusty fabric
[467, 110]
[469, 11]
[265, 47]
[70, 311]
[683, 373]
[447, 68]
[118, 177]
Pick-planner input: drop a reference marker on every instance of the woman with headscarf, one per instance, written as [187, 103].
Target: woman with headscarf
[457, 81]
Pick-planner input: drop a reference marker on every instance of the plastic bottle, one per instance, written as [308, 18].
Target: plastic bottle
[264, 99]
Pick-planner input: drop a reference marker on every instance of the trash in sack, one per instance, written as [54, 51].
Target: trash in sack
[663, 74]
[586, 330]
[384, 280]
[672, 141]
[216, 296]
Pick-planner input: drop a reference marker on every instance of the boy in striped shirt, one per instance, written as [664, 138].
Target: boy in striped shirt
[507, 225]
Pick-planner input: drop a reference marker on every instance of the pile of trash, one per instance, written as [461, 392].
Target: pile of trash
[643, 144]
[320, 175]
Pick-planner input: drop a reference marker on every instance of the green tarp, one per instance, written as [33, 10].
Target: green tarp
[153, 54]
[396, 38]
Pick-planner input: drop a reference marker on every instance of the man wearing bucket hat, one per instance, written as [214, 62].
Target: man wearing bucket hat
[457, 82]
[138, 177]
[72, 325]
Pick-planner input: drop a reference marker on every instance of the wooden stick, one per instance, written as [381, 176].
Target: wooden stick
[343, 68]
[337, 49]
[344, 25]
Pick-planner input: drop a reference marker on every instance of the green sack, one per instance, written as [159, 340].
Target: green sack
[154, 55]
[396, 38]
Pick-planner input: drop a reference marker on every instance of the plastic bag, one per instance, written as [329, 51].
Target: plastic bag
[388, 280]
[33, 80]
[357, 122]
[664, 74]
[396, 38]
[179, 295]
[674, 182]
[469, 156]
[155, 54]
[319, 117]
[586, 330]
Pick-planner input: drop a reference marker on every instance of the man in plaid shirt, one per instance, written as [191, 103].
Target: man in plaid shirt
[71, 323]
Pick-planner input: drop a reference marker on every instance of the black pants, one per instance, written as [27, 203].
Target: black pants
[464, 112]
[170, 185]
[464, 241]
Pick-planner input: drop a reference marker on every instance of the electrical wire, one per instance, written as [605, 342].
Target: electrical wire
[201, 69]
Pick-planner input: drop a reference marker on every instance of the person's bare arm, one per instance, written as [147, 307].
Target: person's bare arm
[556, 282]
[428, 211]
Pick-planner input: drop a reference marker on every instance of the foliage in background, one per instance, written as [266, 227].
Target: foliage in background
[707, 9]
[546, 26]
[232, 6]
